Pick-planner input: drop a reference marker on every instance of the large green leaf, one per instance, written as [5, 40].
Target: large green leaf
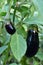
[39, 5]
[33, 20]
[18, 46]
[2, 49]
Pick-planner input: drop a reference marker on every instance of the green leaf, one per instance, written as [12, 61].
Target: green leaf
[2, 2]
[15, 1]
[4, 36]
[18, 46]
[7, 39]
[33, 20]
[21, 31]
[40, 55]
[2, 49]
[22, 0]
[35, 62]
[8, 1]
[39, 5]
[14, 64]
[2, 13]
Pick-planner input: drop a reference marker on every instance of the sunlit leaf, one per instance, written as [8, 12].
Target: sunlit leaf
[18, 46]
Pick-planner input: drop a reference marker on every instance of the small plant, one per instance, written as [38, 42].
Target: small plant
[21, 32]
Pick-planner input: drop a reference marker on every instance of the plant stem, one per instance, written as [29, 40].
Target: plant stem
[14, 15]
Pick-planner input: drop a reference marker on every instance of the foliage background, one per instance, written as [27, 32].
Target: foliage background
[22, 13]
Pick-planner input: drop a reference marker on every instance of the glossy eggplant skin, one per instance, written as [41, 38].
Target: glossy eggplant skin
[10, 28]
[32, 43]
